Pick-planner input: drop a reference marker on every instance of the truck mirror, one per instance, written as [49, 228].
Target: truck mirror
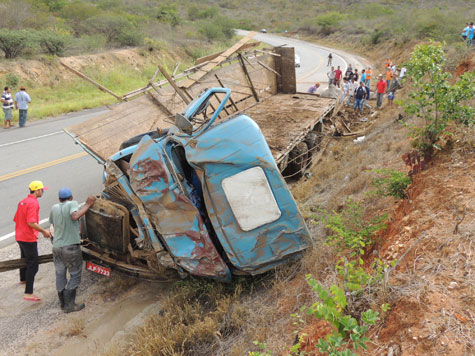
[183, 123]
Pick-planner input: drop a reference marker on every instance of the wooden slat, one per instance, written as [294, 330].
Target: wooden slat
[215, 55]
[212, 64]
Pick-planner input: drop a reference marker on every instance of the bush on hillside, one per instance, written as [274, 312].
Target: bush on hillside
[52, 42]
[329, 22]
[168, 13]
[54, 5]
[217, 29]
[198, 13]
[14, 42]
[115, 28]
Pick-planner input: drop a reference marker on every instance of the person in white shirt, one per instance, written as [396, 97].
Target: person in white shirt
[346, 89]
[353, 86]
[402, 73]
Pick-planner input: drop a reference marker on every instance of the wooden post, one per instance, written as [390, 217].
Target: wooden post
[246, 73]
[79, 74]
[173, 84]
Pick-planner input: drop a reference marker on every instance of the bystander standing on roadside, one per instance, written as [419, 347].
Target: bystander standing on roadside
[360, 95]
[331, 76]
[380, 90]
[330, 59]
[338, 75]
[356, 75]
[470, 34]
[349, 72]
[389, 76]
[26, 234]
[22, 99]
[363, 76]
[353, 86]
[465, 32]
[369, 72]
[67, 254]
[7, 107]
[346, 90]
[387, 64]
[402, 72]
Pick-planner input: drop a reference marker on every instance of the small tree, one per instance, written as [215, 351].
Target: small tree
[14, 42]
[329, 21]
[433, 99]
[52, 42]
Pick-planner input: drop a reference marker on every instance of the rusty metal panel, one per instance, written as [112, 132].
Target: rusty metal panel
[172, 213]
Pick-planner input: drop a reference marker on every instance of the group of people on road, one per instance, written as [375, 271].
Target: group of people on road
[356, 85]
[22, 99]
[64, 234]
[468, 34]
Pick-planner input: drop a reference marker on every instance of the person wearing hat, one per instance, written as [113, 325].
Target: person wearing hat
[27, 226]
[22, 99]
[67, 254]
[381, 87]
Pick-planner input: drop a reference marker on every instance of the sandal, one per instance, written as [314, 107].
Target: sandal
[33, 298]
[21, 282]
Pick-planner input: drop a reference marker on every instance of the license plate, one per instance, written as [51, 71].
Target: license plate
[98, 269]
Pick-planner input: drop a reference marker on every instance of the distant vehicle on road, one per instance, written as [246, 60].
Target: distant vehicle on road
[263, 30]
[297, 60]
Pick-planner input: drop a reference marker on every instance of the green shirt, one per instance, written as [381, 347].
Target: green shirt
[66, 230]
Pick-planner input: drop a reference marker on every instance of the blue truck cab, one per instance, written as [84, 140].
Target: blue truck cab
[205, 198]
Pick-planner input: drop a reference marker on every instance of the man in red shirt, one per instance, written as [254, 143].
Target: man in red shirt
[27, 226]
[338, 74]
[380, 90]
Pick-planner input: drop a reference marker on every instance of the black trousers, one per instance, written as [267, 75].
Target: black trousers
[29, 251]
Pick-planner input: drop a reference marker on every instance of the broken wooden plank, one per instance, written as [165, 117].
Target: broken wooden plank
[248, 77]
[101, 87]
[268, 68]
[201, 72]
[173, 84]
[21, 263]
[214, 55]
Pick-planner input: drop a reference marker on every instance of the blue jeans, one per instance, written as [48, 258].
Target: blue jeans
[67, 258]
[358, 103]
[379, 98]
[22, 117]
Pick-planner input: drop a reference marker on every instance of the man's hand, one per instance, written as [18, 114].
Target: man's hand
[46, 234]
[91, 199]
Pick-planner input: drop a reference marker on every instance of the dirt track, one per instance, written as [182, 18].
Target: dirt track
[114, 307]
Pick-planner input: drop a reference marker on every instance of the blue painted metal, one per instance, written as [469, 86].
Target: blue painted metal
[173, 214]
[180, 192]
[227, 149]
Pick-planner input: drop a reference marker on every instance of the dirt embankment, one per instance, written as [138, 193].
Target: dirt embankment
[47, 71]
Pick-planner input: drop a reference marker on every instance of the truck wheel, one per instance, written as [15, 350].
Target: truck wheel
[136, 139]
[298, 161]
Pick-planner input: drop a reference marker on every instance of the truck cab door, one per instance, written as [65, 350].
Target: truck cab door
[251, 208]
[172, 213]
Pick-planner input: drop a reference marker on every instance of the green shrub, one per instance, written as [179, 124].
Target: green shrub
[12, 80]
[14, 42]
[52, 42]
[390, 183]
[168, 13]
[348, 229]
[434, 99]
[54, 5]
[114, 27]
[329, 22]
[199, 13]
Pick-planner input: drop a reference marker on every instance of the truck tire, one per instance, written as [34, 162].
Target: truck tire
[136, 139]
[298, 161]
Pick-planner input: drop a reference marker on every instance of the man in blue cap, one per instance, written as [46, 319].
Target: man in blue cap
[67, 254]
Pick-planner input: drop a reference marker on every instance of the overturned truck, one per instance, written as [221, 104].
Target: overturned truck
[193, 177]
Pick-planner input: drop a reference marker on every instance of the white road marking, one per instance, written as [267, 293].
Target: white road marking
[7, 236]
[31, 138]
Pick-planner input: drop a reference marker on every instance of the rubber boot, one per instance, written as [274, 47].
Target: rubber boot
[61, 299]
[70, 301]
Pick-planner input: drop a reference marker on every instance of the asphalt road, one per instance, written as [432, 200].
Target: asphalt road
[42, 151]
